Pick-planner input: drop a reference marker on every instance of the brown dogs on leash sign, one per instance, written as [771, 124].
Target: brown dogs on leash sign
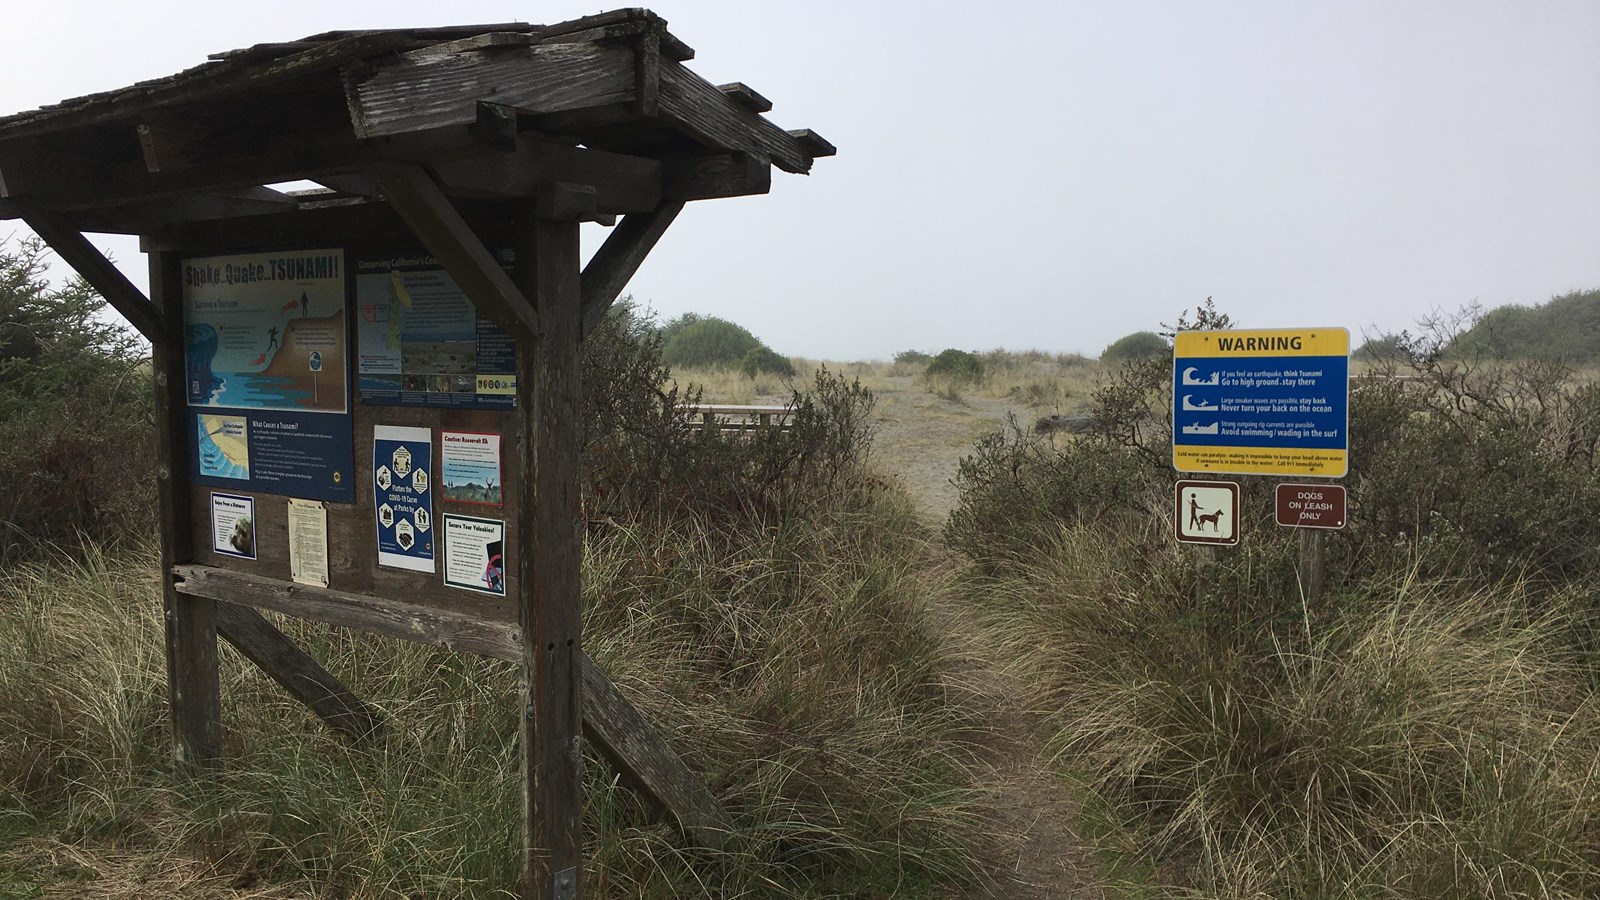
[1311, 505]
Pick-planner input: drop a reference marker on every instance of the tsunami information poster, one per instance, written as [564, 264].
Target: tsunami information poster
[1271, 402]
[265, 343]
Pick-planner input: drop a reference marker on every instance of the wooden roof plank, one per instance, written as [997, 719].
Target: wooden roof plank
[745, 96]
[717, 121]
[205, 82]
[815, 144]
[419, 93]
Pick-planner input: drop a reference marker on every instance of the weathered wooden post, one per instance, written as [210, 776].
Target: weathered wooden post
[549, 401]
[1313, 553]
[193, 689]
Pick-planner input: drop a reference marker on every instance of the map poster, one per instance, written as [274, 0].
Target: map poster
[266, 377]
[475, 554]
[233, 525]
[421, 342]
[469, 464]
[402, 491]
[308, 542]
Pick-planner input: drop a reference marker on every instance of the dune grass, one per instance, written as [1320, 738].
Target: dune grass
[792, 666]
[1429, 739]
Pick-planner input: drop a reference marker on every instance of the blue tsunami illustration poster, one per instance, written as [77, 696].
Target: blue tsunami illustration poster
[402, 492]
[265, 342]
[421, 342]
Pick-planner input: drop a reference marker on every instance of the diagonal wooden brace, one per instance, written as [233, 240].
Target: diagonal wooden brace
[619, 258]
[293, 668]
[77, 252]
[610, 720]
[428, 212]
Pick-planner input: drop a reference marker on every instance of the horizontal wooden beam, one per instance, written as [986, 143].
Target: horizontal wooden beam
[450, 629]
[418, 200]
[301, 675]
[72, 183]
[611, 721]
[375, 221]
[623, 184]
[354, 184]
[76, 251]
[142, 217]
[716, 175]
[620, 257]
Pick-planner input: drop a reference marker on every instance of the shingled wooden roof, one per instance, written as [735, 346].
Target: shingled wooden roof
[603, 101]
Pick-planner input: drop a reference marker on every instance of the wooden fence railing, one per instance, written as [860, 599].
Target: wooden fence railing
[741, 417]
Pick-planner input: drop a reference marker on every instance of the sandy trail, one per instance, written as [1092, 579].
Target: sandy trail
[921, 438]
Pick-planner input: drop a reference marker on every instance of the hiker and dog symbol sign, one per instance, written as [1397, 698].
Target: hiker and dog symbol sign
[1207, 512]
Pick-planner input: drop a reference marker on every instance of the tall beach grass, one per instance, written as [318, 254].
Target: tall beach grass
[791, 666]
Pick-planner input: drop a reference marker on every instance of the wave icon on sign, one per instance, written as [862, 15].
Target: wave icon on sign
[1197, 428]
[1192, 406]
[1191, 380]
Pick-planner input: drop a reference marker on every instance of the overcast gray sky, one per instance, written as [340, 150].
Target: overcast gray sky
[1053, 176]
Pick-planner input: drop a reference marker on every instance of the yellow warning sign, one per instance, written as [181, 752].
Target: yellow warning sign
[1261, 402]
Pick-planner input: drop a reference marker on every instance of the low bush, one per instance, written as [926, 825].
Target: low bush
[765, 361]
[1492, 467]
[705, 342]
[1136, 346]
[957, 365]
[645, 458]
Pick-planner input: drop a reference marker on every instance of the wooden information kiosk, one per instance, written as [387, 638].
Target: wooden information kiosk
[368, 394]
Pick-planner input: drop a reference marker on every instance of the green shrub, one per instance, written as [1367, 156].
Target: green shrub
[912, 358]
[1382, 347]
[705, 342]
[764, 360]
[1565, 328]
[1136, 346]
[957, 367]
[76, 414]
